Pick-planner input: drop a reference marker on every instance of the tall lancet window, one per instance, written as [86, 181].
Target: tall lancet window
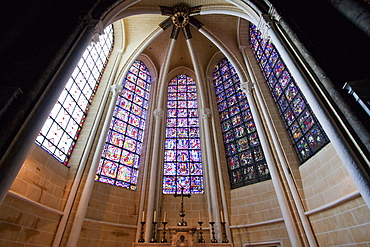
[305, 131]
[182, 158]
[120, 160]
[62, 128]
[245, 158]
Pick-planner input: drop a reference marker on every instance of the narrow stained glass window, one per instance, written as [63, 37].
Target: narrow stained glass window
[120, 160]
[61, 130]
[305, 131]
[182, 158]
[245, 158]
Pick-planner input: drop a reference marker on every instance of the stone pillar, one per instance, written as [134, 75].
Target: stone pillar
[215, 214]
[296, 198]
[356, 11]
[158, 113]
[153, 181]
[86, 192]
[337, 136]
[18, 150]
[276, 180]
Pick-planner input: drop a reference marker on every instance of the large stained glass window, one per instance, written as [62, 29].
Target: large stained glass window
[245, 158]
[182, 158]
[120, 160]
[61, 130]
[305, 131]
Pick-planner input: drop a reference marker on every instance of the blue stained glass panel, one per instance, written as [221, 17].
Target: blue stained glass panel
[242, 146]
[124, 141]
[182, 159]
[306, 133]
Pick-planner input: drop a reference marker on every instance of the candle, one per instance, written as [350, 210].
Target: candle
[143, 216]
[200, 219]
[222, 217]
[155, 216]
[211, 217]
[164, 216]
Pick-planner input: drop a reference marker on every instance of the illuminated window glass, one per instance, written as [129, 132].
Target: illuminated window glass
[245, 158]
[305, 131]
[61, 130]
[120, 160]
[182, 155]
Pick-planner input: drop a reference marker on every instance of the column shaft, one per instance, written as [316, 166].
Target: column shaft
[297, 200]
[276, 180]
[86, 192]
[18, 150]
[339, 141]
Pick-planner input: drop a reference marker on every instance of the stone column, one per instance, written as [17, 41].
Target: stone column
[296, 198]
[337, 136]
[86, 192]
[355, 11]
[276, 180]
[215, 214]
[18, 150]
[153, 181]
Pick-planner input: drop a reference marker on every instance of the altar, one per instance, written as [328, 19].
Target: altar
[182, 236]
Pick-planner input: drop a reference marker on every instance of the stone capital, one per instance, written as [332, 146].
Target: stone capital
[205, 113]
[246, 87]
[158, 113]
[116, 89]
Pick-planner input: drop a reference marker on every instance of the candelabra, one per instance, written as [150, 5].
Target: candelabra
[182, 222]
[213, 240]
[142, 240]
[164, 240]
[154, 240]
[224, 239]
[201, 240]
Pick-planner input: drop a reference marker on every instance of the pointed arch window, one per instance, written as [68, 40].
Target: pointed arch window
[182, 158]
[62, 128]
[305, 131]
[119, 164]
[244, 154]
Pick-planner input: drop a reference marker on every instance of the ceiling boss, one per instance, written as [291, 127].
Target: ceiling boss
[180, 17]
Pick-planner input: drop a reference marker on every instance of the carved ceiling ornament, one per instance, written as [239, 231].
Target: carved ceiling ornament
[180, 16]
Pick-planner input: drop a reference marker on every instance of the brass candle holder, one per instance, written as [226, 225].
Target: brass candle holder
[142, 240]
[164, 240]
[201, 239]
[224, 239]
[213, 240]
[153, 239]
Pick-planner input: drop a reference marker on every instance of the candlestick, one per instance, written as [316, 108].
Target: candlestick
[142, 240]
[201, 240]
[213, 240]
[224, 239]
[154, 240]
[164, 240]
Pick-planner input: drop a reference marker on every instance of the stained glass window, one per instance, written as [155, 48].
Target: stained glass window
[61, 130]
[182, 158]
[305, 131]
[244, 154]
[120, 160]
